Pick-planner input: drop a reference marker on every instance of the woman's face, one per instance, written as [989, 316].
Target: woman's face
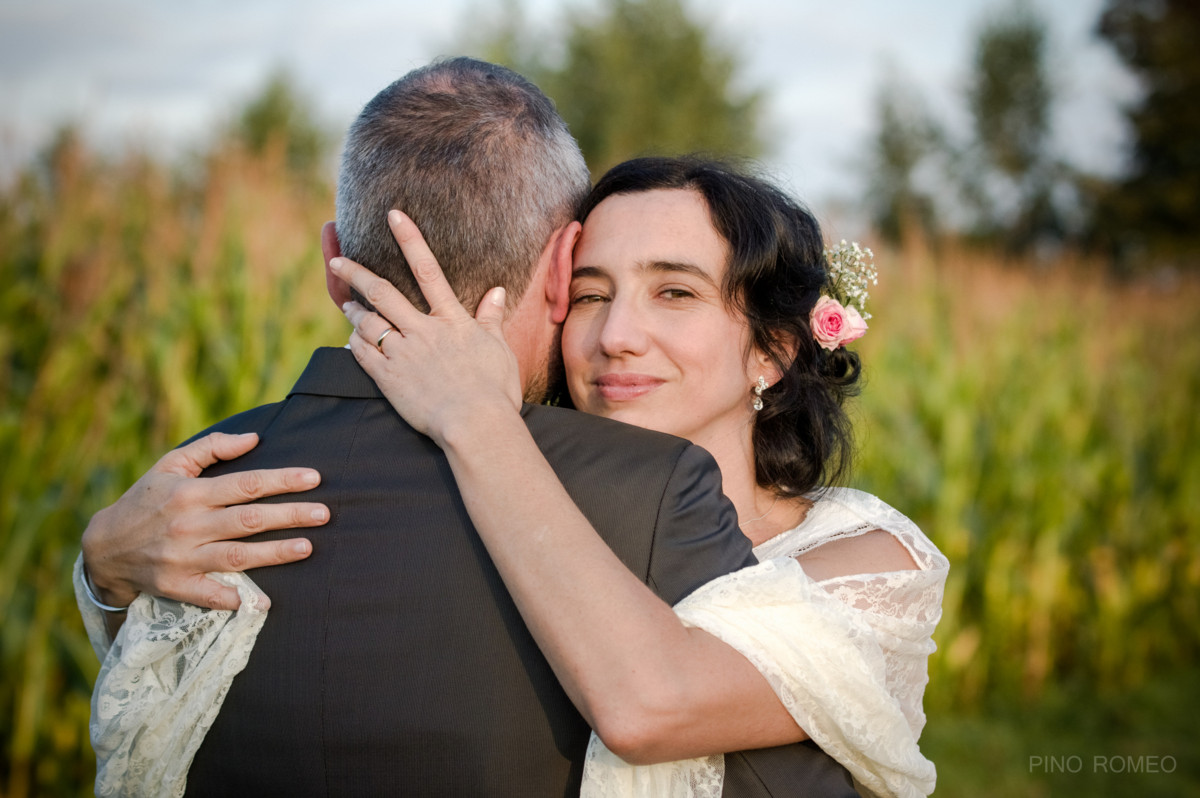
[649, 340]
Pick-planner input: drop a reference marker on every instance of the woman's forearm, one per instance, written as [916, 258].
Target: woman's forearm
[653, 689]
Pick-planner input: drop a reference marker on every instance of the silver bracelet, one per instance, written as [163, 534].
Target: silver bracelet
[90, 591]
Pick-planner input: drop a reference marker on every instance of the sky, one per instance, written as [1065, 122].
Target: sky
[164, 74]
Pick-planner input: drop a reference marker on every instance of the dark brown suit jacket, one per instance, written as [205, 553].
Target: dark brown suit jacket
[393, 661]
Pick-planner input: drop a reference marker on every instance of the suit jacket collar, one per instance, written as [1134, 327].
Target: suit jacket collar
[333, 371]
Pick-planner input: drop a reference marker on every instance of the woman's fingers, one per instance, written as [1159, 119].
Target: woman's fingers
[490, 313]
[169, 529]
[248, 486]
[425, 268]
[388, 302]
[371, 327]
[237, 555]
[193, 458]
[383, 296]
[370, 356]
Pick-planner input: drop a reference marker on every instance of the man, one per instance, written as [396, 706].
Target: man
[393, 660]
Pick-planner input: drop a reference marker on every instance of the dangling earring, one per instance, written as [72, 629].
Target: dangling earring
[759, 387]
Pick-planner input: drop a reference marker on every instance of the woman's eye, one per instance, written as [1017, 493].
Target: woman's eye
[677, 293]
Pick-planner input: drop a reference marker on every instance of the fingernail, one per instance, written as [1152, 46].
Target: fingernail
[320, 514]
[310, 478]
[300, 547]
[395, 216]
[336, 264]
[498, 296]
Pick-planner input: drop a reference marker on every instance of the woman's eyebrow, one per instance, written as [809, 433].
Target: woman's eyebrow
[678, 266]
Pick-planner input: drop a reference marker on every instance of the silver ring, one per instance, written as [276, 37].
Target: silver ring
[384, 334]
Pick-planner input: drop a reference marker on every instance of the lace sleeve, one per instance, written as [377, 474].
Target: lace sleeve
[902, 608]
[161, 685]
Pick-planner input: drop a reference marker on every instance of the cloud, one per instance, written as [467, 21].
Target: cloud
[168, 71]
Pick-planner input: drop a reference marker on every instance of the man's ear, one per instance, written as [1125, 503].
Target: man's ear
[558, 281]
[331, 248]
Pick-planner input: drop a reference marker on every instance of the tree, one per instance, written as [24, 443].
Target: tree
[634, 77]
[1010, 173]
[905, 140]
[1150, 214]
[280, 116]
[502, 33]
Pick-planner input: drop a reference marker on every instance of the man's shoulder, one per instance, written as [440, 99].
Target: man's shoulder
[591, 449]
[256, 419]
[550, 423]
[655, 498]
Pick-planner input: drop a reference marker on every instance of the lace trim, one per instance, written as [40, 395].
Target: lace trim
[161, 685]
[606, 775]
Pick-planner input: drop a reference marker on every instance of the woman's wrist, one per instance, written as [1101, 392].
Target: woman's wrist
[107, 592]
[92, 593]
[478, 428]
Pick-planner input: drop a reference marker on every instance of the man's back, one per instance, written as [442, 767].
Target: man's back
[393, 658]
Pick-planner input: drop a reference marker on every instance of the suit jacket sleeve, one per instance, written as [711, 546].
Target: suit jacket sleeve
[696, 537]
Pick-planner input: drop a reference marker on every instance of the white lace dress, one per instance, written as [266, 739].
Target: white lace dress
[847, 656]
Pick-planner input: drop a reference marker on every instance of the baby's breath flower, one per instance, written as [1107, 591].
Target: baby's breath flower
[851, 270]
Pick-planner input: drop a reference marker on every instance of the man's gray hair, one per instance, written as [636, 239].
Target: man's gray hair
[478, 157]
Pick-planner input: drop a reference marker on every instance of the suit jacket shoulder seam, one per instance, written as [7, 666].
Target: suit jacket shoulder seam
[658, 517]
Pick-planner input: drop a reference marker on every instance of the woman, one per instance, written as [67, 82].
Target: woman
[700, 307]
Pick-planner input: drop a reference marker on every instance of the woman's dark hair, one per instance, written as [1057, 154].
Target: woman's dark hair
[776, 272]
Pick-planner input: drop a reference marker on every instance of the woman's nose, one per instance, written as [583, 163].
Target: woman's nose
[624, 331]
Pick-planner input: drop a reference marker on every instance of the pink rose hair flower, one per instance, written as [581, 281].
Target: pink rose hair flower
[835, 321]
[834, 325]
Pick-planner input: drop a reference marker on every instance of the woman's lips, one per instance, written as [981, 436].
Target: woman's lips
[623, 387]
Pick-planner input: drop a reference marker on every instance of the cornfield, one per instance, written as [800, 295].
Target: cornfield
[1037, 420]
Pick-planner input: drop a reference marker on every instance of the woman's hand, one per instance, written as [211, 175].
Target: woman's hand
[438, 370]
[173, 526]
